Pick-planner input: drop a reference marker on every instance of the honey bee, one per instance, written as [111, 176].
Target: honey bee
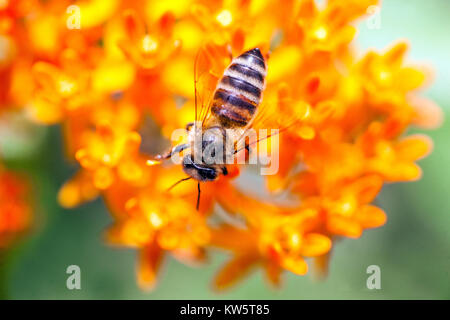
[231, 109]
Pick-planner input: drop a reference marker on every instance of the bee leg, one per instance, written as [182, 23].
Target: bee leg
[224, 171]
[230, 52]
[247, 153]
[189, 126]
[198, 196]
[169, 153]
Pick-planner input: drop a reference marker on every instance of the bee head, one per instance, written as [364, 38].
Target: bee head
[197, 171]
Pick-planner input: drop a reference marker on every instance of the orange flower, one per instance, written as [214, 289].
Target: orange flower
[15, 211]
[154, 228]
[110, 155]
[149, 47]
[58, 92]
[347, 210]
[279, 242]
[393, 159]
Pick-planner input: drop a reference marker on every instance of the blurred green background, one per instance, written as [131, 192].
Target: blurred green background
[412, 249]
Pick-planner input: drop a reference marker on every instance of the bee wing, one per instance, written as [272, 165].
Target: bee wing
[274, 116]
[207, 72]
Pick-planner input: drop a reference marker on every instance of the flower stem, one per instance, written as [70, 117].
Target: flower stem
[3, 275]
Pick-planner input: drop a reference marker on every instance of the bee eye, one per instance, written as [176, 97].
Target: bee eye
[207, 173]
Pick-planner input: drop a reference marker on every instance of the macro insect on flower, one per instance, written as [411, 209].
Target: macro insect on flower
[136, 71]
[228, 116]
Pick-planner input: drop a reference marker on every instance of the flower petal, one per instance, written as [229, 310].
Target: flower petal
[273, 274]
[344, 227]
[367, 188]
[234, 271]
[315, 244]
[150, 259]
[414, 147]
[296, 265]
[371, 217]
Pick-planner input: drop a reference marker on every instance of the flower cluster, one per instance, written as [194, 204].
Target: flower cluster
[15, 211]
[109, 71]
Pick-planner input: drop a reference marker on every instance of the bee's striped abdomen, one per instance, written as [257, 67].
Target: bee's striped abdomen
[239, 92]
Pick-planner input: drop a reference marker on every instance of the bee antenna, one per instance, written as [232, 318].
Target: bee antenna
[198, 196]
[176, 183]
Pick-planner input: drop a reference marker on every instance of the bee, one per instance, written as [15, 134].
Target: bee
[232, 108]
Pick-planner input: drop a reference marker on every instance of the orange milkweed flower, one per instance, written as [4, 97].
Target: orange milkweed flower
[15, 210]
[281, 242]
[155, 228]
